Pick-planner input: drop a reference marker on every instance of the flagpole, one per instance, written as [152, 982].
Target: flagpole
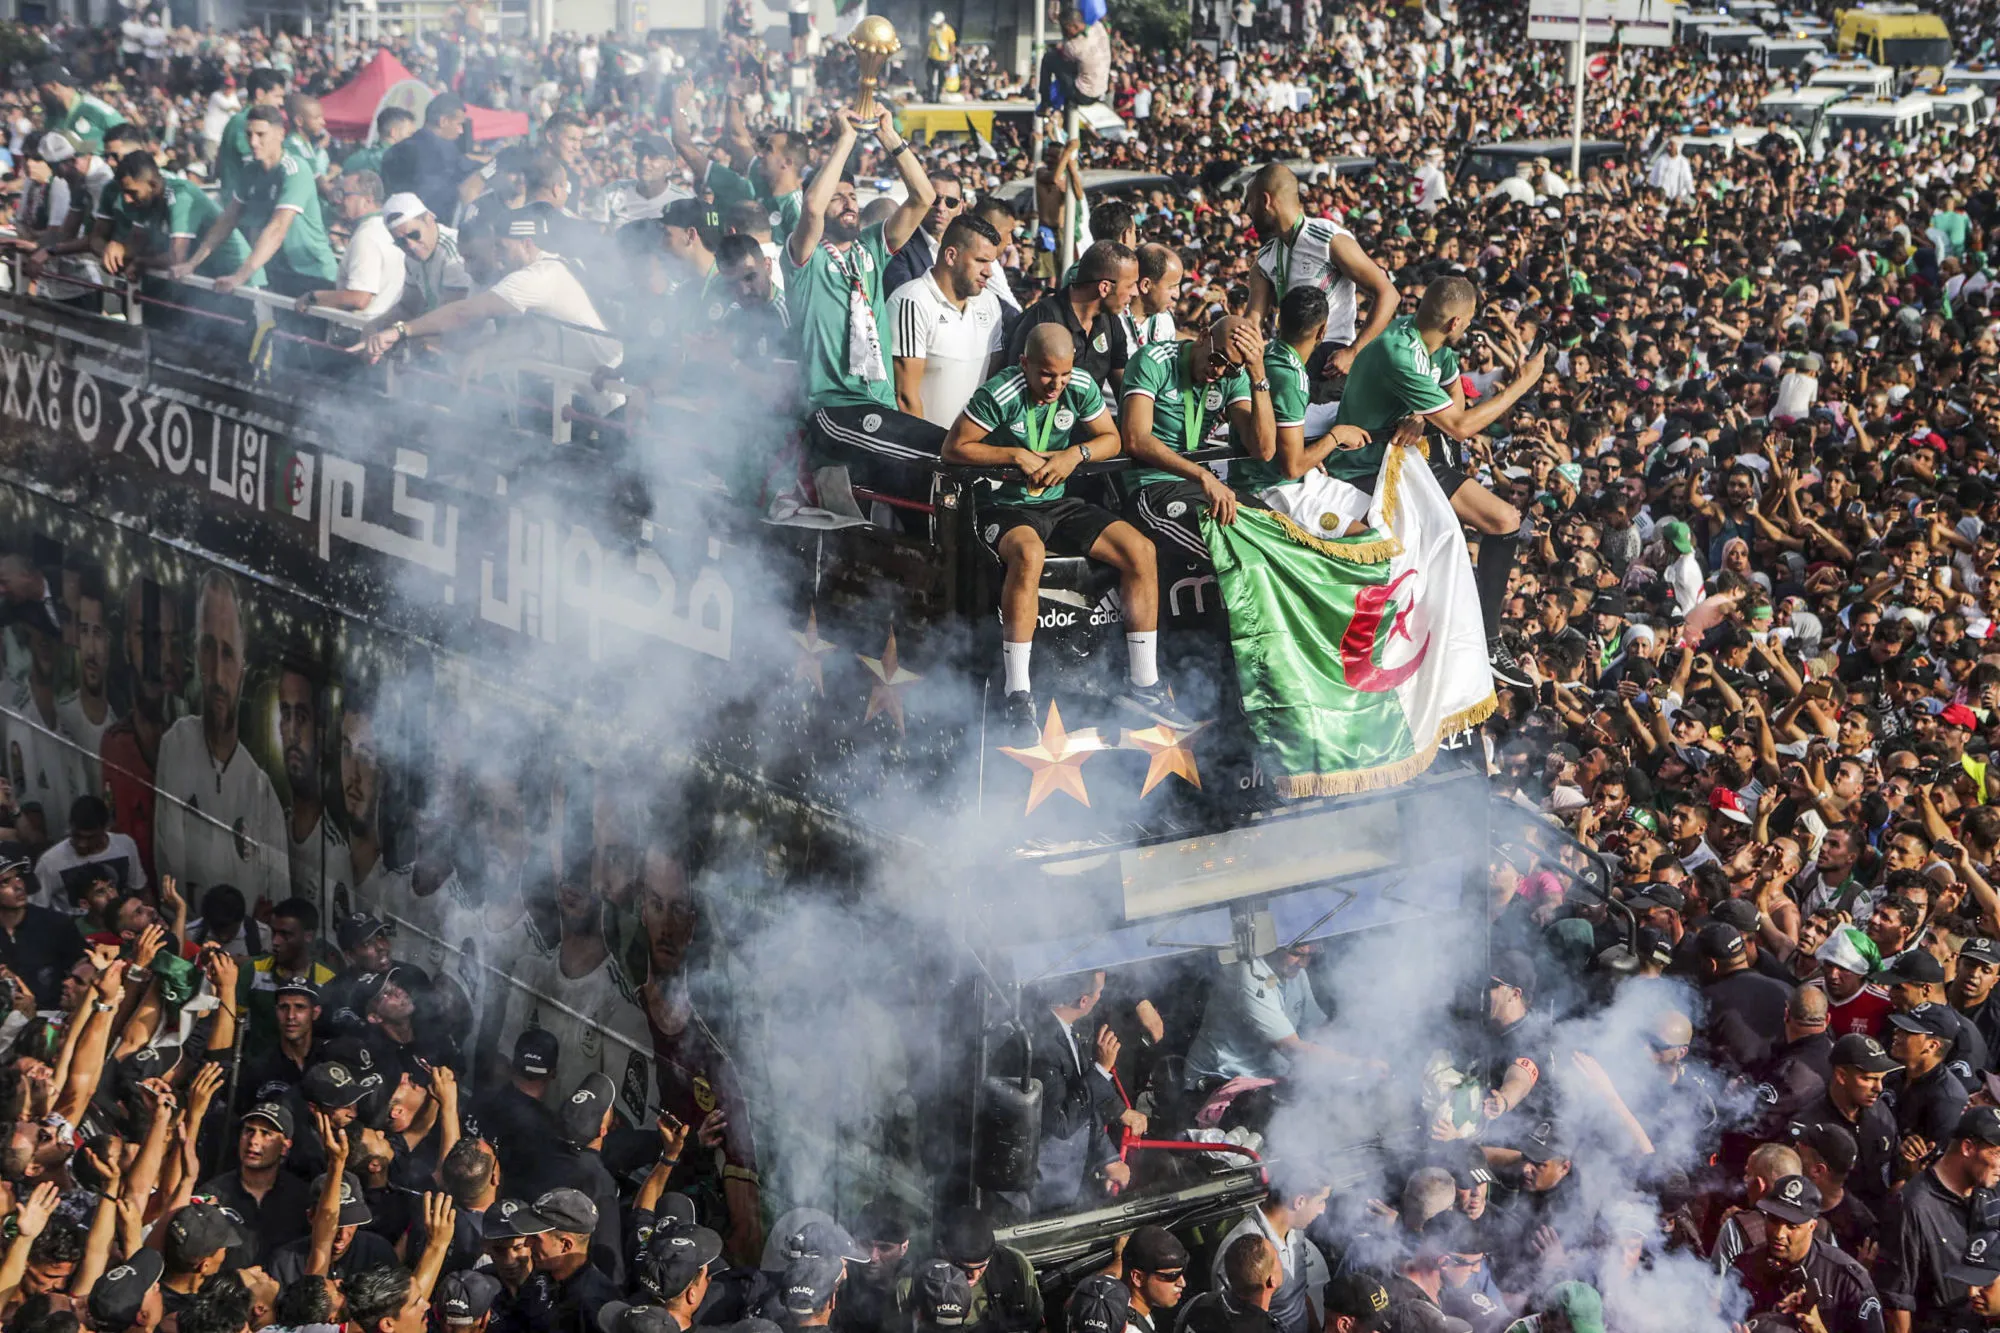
[1576, 116]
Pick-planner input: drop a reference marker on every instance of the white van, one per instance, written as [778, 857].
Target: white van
[1862, 78]
[1688, 27]
[1780, 53]
[1963, 109]
[1724, 38]
[1802, 111]
[1881, 117]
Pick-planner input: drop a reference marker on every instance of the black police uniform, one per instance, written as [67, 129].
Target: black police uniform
[1924, 1234]
[1928, 1106]
[1219, 1312]
[283, 1216]
[522, 1132]
[1836, 1284]
[1874, 1137]
[1854, 1223]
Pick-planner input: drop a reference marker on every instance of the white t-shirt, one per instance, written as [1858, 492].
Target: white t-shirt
[217, 825]
[73, 722]
[955, 343]
[1144, 332]
[625, 202]
[154, 37]
[1796, 392]
[222, 104]
[132, 34]
[547, 287]
[1684, 577]
[1307, 261]
[44, 762]
[60, 875]
[373, 264]
[321, 872]
[599, 1025]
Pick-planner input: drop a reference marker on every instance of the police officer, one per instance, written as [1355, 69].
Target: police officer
[1916, 977]
[1927, 1226]
[1853, 1100]
[1925, 1096]
[1156, 1276]
[1005, 1297]
[1795, 1273]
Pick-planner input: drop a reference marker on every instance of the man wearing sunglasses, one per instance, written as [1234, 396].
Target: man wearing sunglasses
[433, 272]
[919, 254]
[1155, 1275]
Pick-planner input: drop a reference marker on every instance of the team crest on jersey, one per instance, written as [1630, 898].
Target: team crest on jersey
[1065, 418]
[1100, 344]
[992, 533]
[593, 1041]
[240, 832]
[704, 1093]
[715, 311]
[872, 422]
[1176, 508]
[867, 262]
[1213, 401]
[776, 219]
[982, 316]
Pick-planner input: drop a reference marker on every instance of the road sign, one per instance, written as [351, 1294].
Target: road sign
[1600, 67]
[1628, 22]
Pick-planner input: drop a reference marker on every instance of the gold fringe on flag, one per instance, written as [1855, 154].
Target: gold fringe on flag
[1303, 786]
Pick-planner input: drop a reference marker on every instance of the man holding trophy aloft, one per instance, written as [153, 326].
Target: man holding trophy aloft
[834, 284]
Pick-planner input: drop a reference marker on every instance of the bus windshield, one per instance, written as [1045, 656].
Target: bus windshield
[1911, 51]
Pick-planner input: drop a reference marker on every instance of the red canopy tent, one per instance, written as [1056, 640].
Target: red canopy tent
[350, 109]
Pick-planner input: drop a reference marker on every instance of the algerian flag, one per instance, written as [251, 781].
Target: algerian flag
[1850, 948]
[1356, 656]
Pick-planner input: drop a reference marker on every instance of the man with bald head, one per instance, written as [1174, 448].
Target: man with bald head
[1299, 251]
[217, 819]
[1045, 417]
[1408, 379]
[1176, 393]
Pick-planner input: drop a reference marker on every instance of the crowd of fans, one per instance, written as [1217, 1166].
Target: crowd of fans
[1738, 417]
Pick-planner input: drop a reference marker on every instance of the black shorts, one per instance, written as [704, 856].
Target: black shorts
[801, 24]
[1170, 513]
[1068, 526]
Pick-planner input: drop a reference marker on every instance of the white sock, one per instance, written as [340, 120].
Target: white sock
[1140, 666]
[1014, 657]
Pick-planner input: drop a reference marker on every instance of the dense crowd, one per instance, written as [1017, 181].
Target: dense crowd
[1723, 432]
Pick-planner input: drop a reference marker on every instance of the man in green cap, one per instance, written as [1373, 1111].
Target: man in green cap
[1408, 379]
[1683, 572]
[1567, 1307]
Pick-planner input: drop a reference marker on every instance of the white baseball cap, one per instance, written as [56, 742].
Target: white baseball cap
[401, 207]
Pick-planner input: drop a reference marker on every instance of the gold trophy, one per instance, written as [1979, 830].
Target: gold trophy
[874, 40]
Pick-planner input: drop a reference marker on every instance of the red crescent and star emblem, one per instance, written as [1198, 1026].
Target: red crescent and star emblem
[1357, 645]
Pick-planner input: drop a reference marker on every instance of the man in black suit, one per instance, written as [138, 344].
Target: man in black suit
[1080, 1102]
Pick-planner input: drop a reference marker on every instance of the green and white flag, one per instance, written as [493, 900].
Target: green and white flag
[1357, 655]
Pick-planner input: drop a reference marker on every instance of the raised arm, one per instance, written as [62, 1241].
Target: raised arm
[920, 193]
[818, 194]
[1462, 423]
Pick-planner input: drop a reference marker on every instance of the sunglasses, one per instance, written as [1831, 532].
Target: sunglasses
[406, 238]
